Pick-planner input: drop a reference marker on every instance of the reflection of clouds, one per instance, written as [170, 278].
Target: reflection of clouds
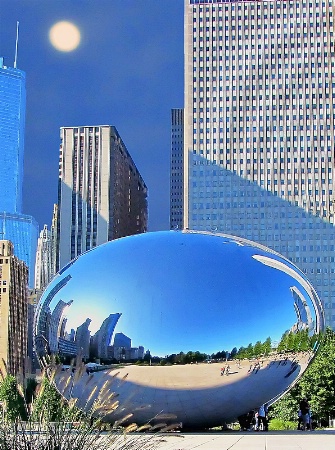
[279, 265]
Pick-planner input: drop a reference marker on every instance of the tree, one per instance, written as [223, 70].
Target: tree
[258, 348]
[14, 402]
[287, 407]
[266, 346]
[250, 351]
[49, 404]
[317, 384]
[233, 353]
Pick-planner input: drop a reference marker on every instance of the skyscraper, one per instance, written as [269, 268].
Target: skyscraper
[13, 309]
[43, 265]
[102, 195]
[259, 128]
[102, 338]
[82, 339]
[176, 169]
[12, 123]
[20, 229]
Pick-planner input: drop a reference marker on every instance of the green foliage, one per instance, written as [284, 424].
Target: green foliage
[267, 346]
[48, 405]
[317, 384]
[258, 349]
[286, 409]
[277, 424]
[185, 358]
[296, 341]
[255, 351]
[54, 423]
[14, 403]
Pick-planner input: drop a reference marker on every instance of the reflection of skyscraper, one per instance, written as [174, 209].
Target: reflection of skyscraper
[43, 309]
[102, 338]
[82, 339]
[121, 340]
[102, 196]
[304, 316]
[13, 309]
[56, 322]
[259, 128]
[122, 346]
[20, 229]
[176, 169]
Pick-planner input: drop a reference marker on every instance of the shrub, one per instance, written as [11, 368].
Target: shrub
[53, 422]
[277, 424]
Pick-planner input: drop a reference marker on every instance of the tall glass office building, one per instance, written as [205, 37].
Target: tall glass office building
[259, 128]
[20, 229]
[12, 122]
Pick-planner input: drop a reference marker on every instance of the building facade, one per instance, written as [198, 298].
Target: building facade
[259, 128]
[33, 298]
[13, 310]
[83, 337]
[43, 265]
[102, 338]
[12, 124]
[102, 196]
[20, 229]
[176, 169]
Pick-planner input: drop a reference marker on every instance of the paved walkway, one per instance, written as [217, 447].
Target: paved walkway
[280, 440]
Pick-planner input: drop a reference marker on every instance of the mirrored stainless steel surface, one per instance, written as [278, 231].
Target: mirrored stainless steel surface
[169, 311]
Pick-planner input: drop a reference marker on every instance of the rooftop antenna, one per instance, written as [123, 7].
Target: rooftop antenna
[16, 43]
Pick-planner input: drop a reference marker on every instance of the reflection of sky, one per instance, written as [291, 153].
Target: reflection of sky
[180, 291]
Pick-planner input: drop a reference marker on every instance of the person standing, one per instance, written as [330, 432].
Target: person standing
[305, 414]
[262, 417]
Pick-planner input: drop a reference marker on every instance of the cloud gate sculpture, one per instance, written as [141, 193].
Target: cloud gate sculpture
[194, 327]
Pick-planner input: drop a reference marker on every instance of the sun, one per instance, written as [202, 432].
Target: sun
[64, 36]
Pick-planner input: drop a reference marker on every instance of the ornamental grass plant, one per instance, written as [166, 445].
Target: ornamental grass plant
[52, 420]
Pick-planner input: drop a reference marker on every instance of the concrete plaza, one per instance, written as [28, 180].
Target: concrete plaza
[196, 395]
[278, 440]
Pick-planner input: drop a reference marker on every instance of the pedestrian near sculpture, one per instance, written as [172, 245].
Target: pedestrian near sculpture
[262, 418]
[305, 414]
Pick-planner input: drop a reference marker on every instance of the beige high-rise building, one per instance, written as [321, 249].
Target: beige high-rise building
[13, 309]
[101, 194]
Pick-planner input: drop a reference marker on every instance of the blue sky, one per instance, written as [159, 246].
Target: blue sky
[212, 297]
[127, 72]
